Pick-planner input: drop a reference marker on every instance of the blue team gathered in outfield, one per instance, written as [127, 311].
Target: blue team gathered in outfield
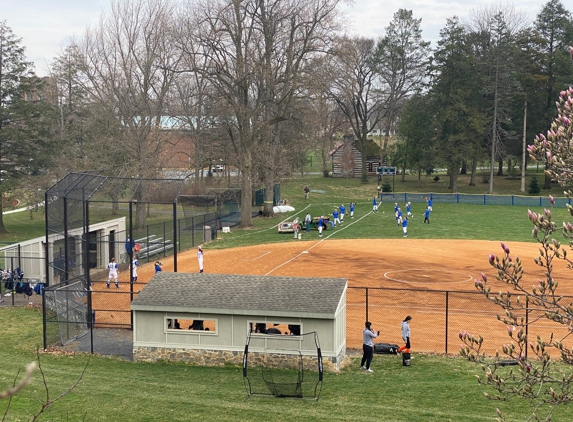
[336, 217]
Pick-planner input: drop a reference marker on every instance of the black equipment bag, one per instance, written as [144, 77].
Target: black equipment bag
[386, 349]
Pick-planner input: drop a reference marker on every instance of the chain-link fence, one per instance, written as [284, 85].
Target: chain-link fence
[464, 198]
[438, 317]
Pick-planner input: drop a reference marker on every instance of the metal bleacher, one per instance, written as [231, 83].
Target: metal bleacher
[152, 245]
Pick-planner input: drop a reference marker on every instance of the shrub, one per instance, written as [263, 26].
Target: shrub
[533, 187]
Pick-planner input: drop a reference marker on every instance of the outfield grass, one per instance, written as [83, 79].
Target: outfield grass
[434, 388]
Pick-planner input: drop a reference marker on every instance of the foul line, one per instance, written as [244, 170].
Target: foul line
[258, 257]
[317, 243]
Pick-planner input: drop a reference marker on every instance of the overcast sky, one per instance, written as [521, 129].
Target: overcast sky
[46, 26]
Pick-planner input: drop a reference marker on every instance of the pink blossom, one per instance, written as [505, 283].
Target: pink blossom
[551, 200]
[491, 258]
[483, 277]
[505, 248]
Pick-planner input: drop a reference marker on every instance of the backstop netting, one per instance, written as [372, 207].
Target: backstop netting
[66, 312]
[283, 365]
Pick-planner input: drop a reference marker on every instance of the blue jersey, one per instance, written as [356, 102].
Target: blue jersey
[395, 208]
[335, 214]
[374, 201]
[352, 207]
[408, 206]
[342, 209]
[430, 202]
[427, 213]
[405, 223]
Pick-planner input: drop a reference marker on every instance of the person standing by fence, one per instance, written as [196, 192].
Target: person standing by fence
[200, 254]
[306, 192]
[368, 346]
[405, 333]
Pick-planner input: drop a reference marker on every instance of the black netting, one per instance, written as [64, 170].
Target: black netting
[283, 365]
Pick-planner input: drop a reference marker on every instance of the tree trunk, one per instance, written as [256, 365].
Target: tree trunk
[547, 184]
[524, 149]
[268, 195]
[2, 227]
[454, 172]
[473, 170]
[500, 167]
[140, 215]
[247, 190]
[464, 167]
[364, 173]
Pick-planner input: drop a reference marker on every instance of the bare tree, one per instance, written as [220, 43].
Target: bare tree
[353, 83]
[125, 63]
[257, 51]
[493, 31]
[401, 60]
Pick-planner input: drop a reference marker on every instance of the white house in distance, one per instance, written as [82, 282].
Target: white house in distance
[205, 318]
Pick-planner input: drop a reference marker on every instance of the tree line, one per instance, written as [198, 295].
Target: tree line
[258, 84]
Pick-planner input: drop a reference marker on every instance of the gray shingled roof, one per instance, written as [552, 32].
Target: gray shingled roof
[242, 294]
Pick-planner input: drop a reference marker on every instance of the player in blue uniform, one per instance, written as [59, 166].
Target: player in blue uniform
[335, 217]
[342, 210]
[409, 209]
[352, 206]
[427, 216]
[399, 216]
[374, 205]
[405, 226]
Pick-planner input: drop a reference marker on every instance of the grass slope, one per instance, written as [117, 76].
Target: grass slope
[432, 389]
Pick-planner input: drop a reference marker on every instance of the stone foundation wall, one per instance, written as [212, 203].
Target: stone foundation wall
[206, 357]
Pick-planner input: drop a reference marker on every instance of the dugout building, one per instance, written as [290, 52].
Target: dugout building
[206, 318]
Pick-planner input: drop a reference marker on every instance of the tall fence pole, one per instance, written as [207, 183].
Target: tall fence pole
[447, 315]
[367, 304]
[175, 236]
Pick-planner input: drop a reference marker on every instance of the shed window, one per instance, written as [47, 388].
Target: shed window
[192, 325]
[275, 328]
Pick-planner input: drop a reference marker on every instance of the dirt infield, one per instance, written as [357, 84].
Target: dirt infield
[435, 265]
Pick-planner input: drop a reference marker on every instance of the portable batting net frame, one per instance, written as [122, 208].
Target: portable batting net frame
[283, 365]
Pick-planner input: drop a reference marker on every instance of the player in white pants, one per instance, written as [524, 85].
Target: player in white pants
[113, 272]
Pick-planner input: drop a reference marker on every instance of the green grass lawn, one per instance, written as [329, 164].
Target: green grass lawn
[434, 388]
